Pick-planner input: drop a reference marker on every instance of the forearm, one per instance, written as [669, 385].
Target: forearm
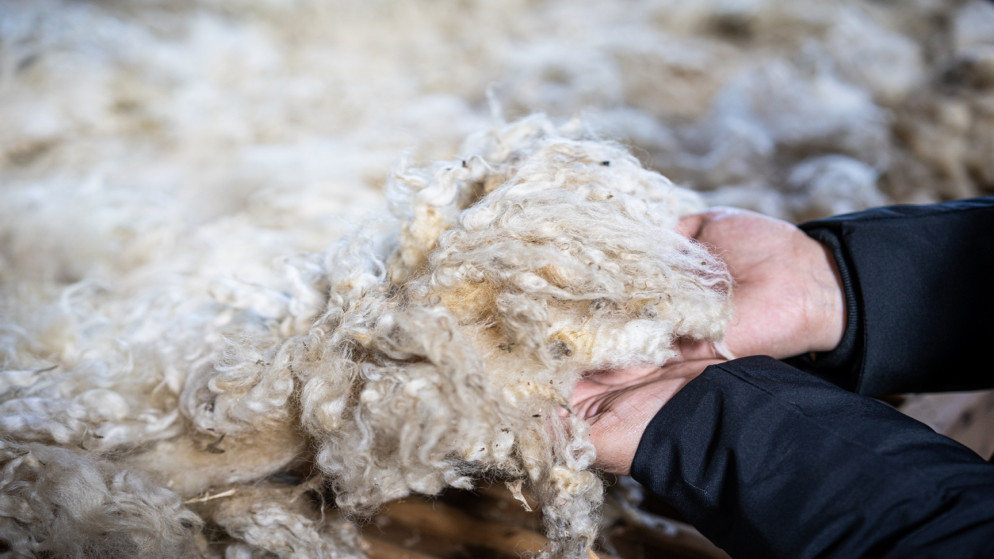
[919, 303]
[769, 462]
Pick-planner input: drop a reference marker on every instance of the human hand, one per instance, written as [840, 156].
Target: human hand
[619, 404]
[787, 295]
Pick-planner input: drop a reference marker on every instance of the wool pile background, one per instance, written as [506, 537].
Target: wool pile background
[176, 176]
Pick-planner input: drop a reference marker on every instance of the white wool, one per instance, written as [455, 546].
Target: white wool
[974, 26]
[426, 351]
[778, 110]
[535, 258]
[66, 503]
[189, 281]
[873, 56]
[832, 185]
[277, 519]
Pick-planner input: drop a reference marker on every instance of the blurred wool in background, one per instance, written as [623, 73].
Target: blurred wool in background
[205, 138]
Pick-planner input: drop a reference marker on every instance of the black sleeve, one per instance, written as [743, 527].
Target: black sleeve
[919, 285]
[769, 462]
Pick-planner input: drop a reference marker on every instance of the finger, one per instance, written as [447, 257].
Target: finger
[689, 348]
[583, 391]
[722, 212]
[588, 406]
[589, 392]
[586, 392]
[690, 225]
[614, 378]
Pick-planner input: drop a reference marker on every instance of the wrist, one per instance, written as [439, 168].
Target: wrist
[828, 308]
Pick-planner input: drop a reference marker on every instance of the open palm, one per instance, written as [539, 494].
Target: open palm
[619, 404]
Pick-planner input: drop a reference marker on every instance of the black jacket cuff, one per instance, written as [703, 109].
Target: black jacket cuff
[842, 364]
[918, 297]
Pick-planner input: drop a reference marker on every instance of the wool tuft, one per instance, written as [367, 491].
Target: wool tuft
[61, 502]
[447, 354]
[427, 350]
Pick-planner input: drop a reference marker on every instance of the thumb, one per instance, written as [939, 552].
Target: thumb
[690, 225]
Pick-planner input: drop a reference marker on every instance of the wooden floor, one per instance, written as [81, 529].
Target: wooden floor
[967, 417]
[490, 524]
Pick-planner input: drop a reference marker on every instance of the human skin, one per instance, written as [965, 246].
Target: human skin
[787, 296]
[619, 404]
[787, 300]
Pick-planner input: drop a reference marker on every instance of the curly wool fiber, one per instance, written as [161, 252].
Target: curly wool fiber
[450, 350]
[427, 351]
[60, 502]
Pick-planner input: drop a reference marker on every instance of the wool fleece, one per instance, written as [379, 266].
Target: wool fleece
[430, 348]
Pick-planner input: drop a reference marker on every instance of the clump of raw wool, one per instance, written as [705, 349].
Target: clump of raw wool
[277, 520]
[449, 348]
[430, 348]
[61, 502]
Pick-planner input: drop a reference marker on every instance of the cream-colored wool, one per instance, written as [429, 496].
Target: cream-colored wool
[63, 502]
[173, 173]
[270, 518]
[447, 351]
[426, 351]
